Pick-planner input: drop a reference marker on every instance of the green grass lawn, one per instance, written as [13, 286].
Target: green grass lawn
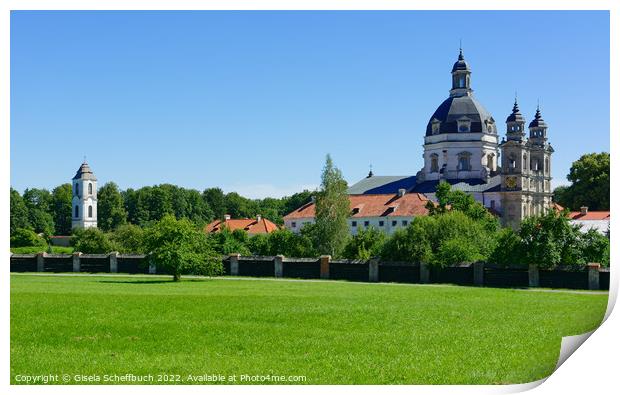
[330, 332]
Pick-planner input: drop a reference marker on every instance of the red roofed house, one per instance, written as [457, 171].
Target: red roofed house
[253, 227]
[386, 212]
[598, 220]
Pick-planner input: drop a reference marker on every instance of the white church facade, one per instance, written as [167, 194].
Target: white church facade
[511, 177]
[84, 200]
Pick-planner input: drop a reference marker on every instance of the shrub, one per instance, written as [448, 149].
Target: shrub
[27, 238]
[508, 250]
[595, 247]
[179, 248]
[226, 242]
[90, 241]
[367, 243]
[445, 238]
[128, 238]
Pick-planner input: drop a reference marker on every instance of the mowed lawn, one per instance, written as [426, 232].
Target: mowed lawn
[330, 332]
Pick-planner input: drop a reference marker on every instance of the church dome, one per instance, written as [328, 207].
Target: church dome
[455, 109]
[538, 122]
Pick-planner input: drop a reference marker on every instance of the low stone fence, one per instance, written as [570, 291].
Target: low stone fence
[477, 274]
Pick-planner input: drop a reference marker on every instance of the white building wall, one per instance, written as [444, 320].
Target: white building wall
[601, 226]
[387, 224]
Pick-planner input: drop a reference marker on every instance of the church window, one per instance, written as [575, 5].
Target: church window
[524, 162]
[464, 163]
[512, 163]
[77, 211]
[463, 125]
[434, 163]
[547, 165]
[90, 188]
[77, 189]
[462, 81]
[90, 211]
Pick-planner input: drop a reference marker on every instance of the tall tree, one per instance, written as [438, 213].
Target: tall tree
[19, 213]
[589, 177]
[39, 204]
[110, 207]
[61, 208]
[216, 200]
[332, 211]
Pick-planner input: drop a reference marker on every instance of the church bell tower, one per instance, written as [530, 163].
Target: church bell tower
[84, 200]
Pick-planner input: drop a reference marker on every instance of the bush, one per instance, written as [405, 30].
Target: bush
[595, 247]
[178, 247]
[91, 241]
[226, 242]
[27, 238]
[127, 239]
[508, 250]
[366, 244]
[442, 239]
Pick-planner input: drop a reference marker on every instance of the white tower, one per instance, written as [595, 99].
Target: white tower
[84, 202]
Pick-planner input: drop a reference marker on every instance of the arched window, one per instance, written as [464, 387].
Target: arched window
[524, 162]
[462, 81]
[512, 162]
[77, 189]
[90, 211]
[90, 188]
[546, 165]
[464, 163]
[77, 211]
[434, 163]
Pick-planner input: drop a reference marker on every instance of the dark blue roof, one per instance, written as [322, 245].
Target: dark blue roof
[470, 185]
[376, 185]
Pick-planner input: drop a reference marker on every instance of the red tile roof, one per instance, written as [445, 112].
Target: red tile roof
[252, 226]
[590, 215]
[386, 205]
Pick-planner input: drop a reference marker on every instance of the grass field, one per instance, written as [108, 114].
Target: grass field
[329, 332]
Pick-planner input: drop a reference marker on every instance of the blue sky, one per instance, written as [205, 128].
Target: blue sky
[252, 101]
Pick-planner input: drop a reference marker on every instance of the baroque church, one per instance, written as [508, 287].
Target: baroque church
[511, 177]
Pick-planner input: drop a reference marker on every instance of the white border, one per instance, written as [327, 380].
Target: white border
[593, 367]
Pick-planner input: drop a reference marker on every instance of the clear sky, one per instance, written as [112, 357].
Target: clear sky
[252, 101]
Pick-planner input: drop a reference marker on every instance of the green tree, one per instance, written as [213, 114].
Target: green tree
[127, 239]
[595, 247]
[589, 177]
[226, 242]
[179, 248]
[366, 244]
[91, 241]
[448, 200]
[26, 238]
[216, 200]
[508, 250]
[332, 211]
[19, 213]
[550, 239]
[61, 208]
[39, 204]
[110, 207]
[281, 242]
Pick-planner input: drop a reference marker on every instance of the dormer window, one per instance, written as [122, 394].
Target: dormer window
[435, 126]
[464, 125]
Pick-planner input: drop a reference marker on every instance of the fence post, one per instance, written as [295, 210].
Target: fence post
[41, 261]
[234, 264]
[114, 262]
[325, 259]
[76, 262]
[533, 277]
[373, 270]
[479, 274]
[593, 276]
[425, 273]
[278, 265]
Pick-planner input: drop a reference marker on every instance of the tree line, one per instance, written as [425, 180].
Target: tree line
[49, 213]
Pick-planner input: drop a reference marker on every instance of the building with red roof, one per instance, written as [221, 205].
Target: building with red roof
[252, 226]
[598, 220]
[386, 212]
